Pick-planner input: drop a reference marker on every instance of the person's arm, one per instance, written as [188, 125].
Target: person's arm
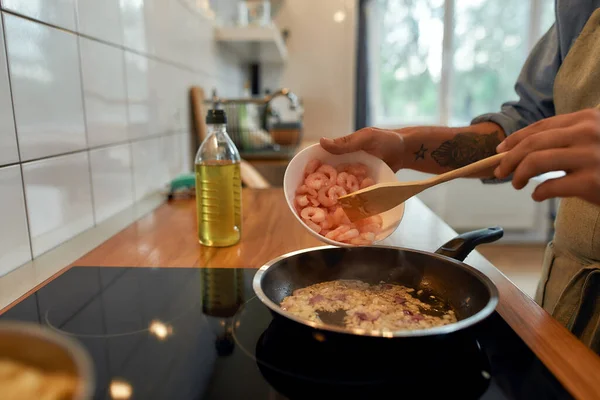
[440, 149]
[433, 149]
[534, 87]
[429, 149]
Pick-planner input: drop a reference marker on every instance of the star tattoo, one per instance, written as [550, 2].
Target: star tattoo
[420, 153]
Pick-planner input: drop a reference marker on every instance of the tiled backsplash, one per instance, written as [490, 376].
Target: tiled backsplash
[94, 110]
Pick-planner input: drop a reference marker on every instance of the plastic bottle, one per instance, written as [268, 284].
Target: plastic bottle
[218, 185]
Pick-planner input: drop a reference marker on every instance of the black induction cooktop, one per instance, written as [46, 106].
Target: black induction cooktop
[178, 333]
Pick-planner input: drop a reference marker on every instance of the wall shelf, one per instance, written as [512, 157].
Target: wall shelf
[254, 44]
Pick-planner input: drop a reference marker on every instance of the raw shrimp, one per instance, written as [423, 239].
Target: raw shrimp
[334, 208]
[352, 183]
[314, 201]
[313, 226]
[328, 196]
[348, 235]
[370, 236]
[360, 241]
[340, 217]
[358, 169]
[313, 214]
[329, 171]
[342, 167]
[316, 180]
[341, 179]
[348, 182]
[337, 232]
[366, 183]
[306, 190]
[329, 222]
[311, 167]
[324, 198]
[375, 219]
[335, 192]
[370, 228]
[302, 200]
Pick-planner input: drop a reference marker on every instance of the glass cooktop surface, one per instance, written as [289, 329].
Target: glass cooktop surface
[178, 333]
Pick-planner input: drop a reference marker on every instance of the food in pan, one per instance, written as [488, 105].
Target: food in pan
[22, 381]
[316, 202]
[380, 307]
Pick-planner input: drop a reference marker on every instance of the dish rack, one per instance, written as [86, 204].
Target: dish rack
[252, 125]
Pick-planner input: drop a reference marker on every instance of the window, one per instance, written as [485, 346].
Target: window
[447, 61]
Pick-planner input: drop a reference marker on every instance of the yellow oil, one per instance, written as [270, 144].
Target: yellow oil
[218, 203]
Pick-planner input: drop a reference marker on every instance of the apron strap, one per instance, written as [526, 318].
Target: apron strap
[578, 307]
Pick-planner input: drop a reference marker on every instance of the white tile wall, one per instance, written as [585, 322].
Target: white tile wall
[57, 12]
[59, 199]
[9, 152]
[100, 19]
[112, 180]
[321, 64]
[46, 88]
[14, 238]
[105, 99]
[101, 112]
[142, 101]
[133, 20]
[150, 171]
[175, 150]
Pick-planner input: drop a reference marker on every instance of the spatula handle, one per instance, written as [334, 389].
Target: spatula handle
[468, 170]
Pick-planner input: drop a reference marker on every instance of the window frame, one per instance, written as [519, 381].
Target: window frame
[533, 35]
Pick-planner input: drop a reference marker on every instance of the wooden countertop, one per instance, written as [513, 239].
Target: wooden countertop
[167, 238]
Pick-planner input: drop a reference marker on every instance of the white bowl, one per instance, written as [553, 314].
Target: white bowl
[378, 170]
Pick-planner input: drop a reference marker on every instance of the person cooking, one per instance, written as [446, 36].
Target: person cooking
[554, 126]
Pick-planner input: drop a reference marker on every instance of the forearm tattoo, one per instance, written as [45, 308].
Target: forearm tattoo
[420, 153]
[466, 148]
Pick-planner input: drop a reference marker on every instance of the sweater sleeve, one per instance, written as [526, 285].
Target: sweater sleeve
[534, 88]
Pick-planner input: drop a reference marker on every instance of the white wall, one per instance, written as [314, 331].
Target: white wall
[321, 64]
[94, 110]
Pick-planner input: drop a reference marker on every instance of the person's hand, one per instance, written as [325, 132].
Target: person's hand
[386, 145]
[569, 142]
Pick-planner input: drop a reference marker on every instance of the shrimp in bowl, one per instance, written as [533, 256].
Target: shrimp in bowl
[314, 180]
[317, 197]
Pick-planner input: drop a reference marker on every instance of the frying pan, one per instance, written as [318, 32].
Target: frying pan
[471, 294]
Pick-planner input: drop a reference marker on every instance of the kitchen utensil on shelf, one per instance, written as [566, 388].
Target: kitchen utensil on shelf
[471, 294]
[246, 124]
[42, 348]
[382, 197]
[286, 133]
[379, 171]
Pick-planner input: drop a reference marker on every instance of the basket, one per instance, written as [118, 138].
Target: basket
[249, 128]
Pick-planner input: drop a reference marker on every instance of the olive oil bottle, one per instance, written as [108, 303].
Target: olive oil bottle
[218, 185]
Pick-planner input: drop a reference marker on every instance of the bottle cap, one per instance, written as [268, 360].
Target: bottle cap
[216, 117]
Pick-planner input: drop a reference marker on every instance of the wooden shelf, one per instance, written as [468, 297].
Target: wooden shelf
[254, 43]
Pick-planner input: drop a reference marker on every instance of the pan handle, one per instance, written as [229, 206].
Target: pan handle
[460, 247]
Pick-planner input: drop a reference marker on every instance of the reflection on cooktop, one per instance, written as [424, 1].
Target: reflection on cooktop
[182, 333]
[317, 366]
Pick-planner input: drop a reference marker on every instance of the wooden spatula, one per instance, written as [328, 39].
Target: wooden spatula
[385, 196]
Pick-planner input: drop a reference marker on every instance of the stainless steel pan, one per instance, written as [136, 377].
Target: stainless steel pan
[471, 294]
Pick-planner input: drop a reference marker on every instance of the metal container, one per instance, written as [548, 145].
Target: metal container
[41, 347]
[471, 294]
[249, 127]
